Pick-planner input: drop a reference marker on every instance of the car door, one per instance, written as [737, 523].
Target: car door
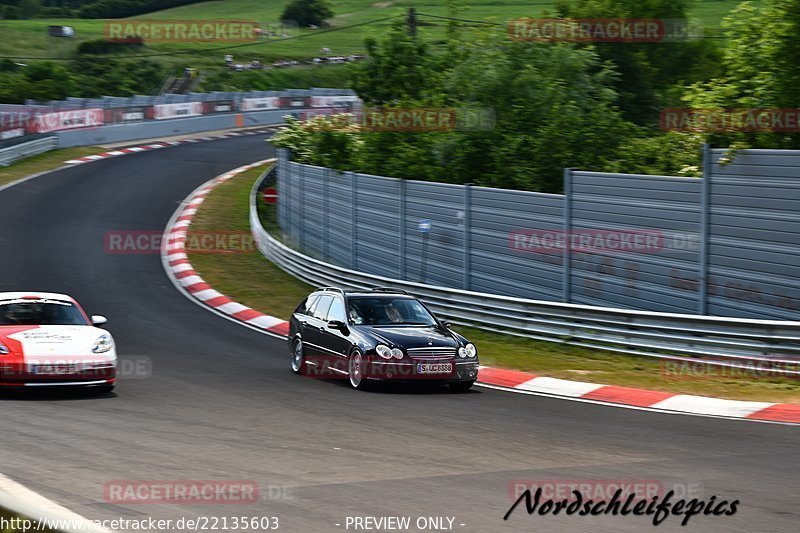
[314, 329]
[336, 339]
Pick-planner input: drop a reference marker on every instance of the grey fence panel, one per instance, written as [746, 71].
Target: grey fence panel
[497, 218]
[340, 228]
[378, 242]
[663, 211]
[442, 248]
[725, 244]
[754, 240]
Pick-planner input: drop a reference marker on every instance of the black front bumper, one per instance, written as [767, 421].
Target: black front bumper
[408, 371]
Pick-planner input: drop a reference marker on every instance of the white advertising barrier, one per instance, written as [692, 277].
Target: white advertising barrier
[67, 120]
[332, 101]
[184, 109]
[11, 134]
[260, 104]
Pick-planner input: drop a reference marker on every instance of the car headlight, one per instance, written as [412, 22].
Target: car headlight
[103, 344]
[397, 352]
[462, 352]
[4, 349]
[384, 351]
[471, 350]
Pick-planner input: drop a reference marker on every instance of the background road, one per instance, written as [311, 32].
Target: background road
[222, 403]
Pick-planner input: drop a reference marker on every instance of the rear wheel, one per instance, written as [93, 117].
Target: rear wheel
[298, 357]
[356, 370]
[461, 386]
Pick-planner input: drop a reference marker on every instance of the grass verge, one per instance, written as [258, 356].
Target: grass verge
[29, 38]
[257, 283]
[43, 162]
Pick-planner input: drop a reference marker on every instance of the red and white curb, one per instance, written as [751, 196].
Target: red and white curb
[183, 275]
[164, 144]
[525, 382]
[179, 269]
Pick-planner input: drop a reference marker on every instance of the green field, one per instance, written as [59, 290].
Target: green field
[27, 39]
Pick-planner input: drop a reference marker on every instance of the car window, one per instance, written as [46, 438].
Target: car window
[39, 312]
[320, 310]
[308, 304]
[336, 312]
[387, 311]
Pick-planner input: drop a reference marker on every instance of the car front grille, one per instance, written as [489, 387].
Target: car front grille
[431, 353]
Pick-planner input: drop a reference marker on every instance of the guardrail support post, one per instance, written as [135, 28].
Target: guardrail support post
[705, 205]
[566, 254]
[402, 247]
[467, 235]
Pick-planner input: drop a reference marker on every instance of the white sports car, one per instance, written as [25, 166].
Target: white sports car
[46, 339]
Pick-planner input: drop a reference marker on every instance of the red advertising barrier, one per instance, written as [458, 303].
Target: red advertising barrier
[66, 120]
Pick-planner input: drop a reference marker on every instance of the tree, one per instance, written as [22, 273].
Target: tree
[399, 68]
[652, 76]
[760, 69]
[307, 12]
[553, 103]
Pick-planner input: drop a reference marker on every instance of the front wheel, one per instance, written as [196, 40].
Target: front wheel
[298, 357]
[461, 386]
[356, 369]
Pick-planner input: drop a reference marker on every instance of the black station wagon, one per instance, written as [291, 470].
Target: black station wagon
[381, 334]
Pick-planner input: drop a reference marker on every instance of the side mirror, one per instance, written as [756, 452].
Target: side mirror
[446, 323]
[337, 324]
[98, 320]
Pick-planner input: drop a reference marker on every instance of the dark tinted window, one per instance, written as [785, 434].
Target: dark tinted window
[388, 311]
[39, 312]
[321, 308]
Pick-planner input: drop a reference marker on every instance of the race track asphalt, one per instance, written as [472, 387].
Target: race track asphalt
[222, 404]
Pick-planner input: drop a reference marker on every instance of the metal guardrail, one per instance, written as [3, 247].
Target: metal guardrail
[22, 150]
[768, 346]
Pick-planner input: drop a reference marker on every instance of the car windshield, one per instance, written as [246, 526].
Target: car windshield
[39, 312]
[388, 311]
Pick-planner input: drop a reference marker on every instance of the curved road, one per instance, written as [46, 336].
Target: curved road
[221, 402]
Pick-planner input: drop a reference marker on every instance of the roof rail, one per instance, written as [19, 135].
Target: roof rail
[388, 289]
[332, 289]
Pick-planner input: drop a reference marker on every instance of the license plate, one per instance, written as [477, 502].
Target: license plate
[54, 369]
[434, 368]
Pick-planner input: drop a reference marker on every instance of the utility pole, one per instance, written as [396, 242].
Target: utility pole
[411, 21]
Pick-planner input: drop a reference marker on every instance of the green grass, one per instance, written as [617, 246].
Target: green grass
[28, 38]
[43, 162]
[257, 283]
[245, 277]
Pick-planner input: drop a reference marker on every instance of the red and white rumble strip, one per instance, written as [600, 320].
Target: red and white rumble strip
[525, 382]
[162, 144]
[177, 265]
[178, 268]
